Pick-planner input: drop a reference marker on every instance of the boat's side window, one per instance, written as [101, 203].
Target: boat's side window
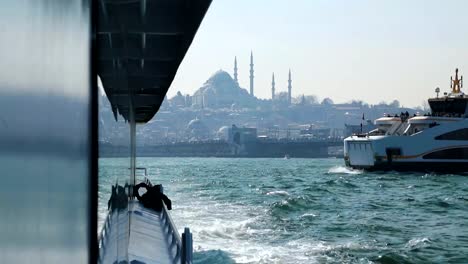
[454, 153]
[460, 134]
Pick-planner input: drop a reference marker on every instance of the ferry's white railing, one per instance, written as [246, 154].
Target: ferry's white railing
[142, 169]
[182, 248]
[103, 237]
[394, 128]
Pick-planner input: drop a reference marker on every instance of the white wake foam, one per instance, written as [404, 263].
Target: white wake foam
[417, 242]
[284, 193]
[308, 215]
[344, 170]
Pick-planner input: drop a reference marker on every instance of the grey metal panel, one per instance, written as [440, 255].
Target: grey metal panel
[45, 132]
[141, 44]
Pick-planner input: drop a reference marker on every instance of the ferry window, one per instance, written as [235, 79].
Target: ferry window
[454, 153]
[460, 134]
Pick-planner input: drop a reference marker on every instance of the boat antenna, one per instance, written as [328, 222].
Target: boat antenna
[456, 83]
[437, 90]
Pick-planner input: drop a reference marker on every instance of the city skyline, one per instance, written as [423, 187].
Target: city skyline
[365, 50]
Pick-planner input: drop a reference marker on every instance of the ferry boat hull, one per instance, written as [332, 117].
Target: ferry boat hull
[423, 151]
[439, 167]
[437, 141]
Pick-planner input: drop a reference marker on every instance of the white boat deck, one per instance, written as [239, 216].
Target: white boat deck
[148, 243]
[148, 239]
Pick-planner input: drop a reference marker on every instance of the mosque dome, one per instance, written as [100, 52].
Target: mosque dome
[197, 129]
[221, 91]
[223, 133]
[221, 83]
[195, 123]
[220, 76]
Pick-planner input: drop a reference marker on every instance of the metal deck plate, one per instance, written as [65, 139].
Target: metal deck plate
[138, 236]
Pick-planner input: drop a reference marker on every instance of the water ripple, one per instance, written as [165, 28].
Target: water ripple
[309, 210]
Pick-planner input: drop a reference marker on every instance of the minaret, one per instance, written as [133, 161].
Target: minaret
[235, 70]
[273, 87]
[289, 87]
[251, 74]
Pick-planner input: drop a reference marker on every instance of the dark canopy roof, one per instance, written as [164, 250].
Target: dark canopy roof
[140, 45]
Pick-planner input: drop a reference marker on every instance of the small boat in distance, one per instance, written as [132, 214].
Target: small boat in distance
[436, 141]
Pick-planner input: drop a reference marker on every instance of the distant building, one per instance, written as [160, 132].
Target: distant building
[188, 100]
[241, 135]
[356, 129]
[314, 132]
[178, 100]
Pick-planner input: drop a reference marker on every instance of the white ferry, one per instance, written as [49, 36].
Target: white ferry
[437, 141]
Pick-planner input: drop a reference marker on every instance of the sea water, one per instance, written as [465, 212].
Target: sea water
[307, 210]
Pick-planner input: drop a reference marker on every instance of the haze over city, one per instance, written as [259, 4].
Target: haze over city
[369, 50]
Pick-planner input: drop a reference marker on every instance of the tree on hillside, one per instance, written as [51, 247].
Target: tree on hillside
[357, 102]
[282, 97]
[327, 101]
[311, 99]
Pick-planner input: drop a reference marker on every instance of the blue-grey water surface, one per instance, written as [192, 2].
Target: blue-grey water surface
[308, 210]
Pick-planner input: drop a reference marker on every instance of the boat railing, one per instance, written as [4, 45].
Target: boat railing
[141, 169]
[401, 129]
[394, 128]
[103, 237]
[182, 248]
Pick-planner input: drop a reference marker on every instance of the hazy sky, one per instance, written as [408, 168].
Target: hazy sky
[371, 50]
